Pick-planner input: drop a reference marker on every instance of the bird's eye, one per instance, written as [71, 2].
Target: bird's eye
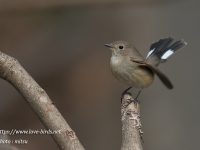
[121, 47]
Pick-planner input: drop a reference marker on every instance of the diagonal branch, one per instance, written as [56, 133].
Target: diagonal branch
[39, 101]
[131, 125]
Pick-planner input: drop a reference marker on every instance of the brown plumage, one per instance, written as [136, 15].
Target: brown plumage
[130, 67]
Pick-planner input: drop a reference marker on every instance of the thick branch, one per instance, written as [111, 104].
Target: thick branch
[131, 125]
[12, 71]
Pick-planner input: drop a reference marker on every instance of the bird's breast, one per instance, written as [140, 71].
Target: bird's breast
[115, 60]
[130, 73]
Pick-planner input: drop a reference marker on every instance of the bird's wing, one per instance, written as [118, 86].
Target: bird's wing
[160, 75]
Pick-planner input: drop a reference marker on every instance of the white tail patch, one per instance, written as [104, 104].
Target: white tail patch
[150, 52]
[167, 54]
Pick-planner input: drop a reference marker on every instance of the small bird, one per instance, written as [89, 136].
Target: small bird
[130, 67]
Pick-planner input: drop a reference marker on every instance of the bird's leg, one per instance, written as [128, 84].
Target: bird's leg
[125, 91]
[138, 94]
[136, 98]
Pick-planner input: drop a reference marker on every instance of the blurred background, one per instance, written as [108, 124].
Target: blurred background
[60, 43]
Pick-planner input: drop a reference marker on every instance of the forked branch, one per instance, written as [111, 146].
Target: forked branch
[39, 101]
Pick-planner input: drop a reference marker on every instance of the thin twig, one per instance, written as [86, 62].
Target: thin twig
[131, 124]
[39, 101]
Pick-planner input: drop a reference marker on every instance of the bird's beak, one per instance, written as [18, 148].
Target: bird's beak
[108, 45]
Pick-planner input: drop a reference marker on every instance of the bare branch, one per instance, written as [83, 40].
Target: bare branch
[131, 125]
[13, 72]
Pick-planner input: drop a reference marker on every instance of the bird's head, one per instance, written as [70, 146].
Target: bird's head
[119, 47]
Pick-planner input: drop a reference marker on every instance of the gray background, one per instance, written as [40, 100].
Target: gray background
[60, 43]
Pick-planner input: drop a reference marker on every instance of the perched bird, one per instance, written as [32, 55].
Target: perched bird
[130, 67]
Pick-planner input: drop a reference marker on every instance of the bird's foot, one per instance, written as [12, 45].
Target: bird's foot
[126, 91]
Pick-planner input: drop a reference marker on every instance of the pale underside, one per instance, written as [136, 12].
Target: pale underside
[130, 72]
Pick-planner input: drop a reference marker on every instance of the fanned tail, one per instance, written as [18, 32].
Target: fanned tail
[160, 51]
